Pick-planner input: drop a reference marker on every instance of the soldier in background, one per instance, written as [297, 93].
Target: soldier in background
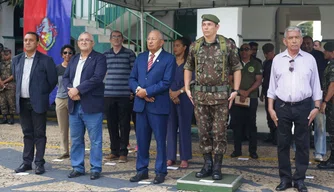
[7, 88]
[212, 57]
[254, 47]
[328, 102]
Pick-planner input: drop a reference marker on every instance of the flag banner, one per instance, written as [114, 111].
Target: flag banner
[51, 20]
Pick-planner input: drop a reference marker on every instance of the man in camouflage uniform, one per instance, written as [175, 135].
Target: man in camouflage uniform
[327, 105]
[212, 63]
[7, 88]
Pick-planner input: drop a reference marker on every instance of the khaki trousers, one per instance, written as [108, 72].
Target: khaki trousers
[63, 123]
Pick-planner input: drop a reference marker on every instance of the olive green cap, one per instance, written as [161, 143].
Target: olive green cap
[210, 17]
[329, 46]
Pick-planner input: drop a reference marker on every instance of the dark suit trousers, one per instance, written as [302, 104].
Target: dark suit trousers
[146, 124]
[34, 130]
[287, 114]
[244, 117]
[118, 119]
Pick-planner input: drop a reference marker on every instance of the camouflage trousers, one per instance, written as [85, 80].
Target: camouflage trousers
[330, 123]
[7, 101]
[212, 123]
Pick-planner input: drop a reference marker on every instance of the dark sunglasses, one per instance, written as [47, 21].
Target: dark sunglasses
[244, 49]
[291, 68]
[67, 53]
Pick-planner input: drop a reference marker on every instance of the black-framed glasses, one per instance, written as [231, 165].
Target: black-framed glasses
[67, 53]
[292, 63]
[244, 49]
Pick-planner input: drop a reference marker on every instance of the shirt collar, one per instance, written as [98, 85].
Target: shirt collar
[121, 50]
[300, 53]
[215, 42]
[33, 55]
[156, 53]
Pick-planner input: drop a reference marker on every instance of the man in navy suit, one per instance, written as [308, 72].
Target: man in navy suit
[150, 79]
[84, 81]
[36, 76]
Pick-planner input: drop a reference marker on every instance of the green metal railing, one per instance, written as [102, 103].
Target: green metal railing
[109, 16]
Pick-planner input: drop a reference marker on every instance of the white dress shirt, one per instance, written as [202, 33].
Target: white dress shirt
[156, 54]
[28, 61]
[77, 77]
[301, 83]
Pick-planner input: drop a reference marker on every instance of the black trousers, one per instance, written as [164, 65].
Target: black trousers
[118, 121]
[270, 122]
[34, 130]
[286, 114]
[244, 117]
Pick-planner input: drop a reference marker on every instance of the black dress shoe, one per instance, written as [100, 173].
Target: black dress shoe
[23, 168]
[236, 154]
[139, 177]
[75, 173]
[283, 186]
[326, 165]
[254, 155]
[300, 186]
[159, 179]
[39, 169]
[94, 175]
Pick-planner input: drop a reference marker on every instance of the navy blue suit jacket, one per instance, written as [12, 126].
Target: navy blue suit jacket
[156, 82]
[91, 86]
[43, 79]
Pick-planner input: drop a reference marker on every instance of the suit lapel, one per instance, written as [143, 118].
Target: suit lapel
[34, 64]
[20, 67]
[157, 60]
[89, 58]
[74, 64]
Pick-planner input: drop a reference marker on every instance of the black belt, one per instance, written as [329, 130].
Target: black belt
[25, 99]
[295, 103]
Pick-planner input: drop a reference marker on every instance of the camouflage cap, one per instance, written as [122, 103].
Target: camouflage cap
[329, 46]
[210, 17]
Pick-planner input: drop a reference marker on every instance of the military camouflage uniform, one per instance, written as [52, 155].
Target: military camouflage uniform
[211, 104]
[7, 96]
[327, 79]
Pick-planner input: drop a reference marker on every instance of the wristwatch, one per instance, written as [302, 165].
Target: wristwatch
[317, 108]
[237, 91]
[181, 91]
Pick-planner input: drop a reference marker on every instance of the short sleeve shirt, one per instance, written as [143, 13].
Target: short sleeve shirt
[248, 76]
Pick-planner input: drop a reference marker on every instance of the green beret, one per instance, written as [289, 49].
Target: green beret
[329, 46]
[210, 17]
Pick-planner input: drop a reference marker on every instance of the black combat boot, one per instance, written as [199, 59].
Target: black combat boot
[11, 119]
[217, 167]
[4, 119]
[207, 167]
[329, 164]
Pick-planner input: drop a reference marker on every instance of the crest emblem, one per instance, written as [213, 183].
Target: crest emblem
[251, 69]
[47, 33]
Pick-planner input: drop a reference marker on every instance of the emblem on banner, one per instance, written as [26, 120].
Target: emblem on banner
[47, 33]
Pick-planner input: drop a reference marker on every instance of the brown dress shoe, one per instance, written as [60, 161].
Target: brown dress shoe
[123, 159]
[111, 157]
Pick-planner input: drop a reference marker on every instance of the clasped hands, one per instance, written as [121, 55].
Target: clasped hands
[141, 93]
[73, 93]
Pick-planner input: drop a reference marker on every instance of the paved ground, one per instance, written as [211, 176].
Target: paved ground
[258, 175]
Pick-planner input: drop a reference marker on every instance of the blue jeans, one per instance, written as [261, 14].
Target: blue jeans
[320, 134]
[79, 121]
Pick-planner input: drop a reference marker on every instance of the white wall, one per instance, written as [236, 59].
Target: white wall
[230, 22]
[327, 24]
[7, 26]
[258, 24]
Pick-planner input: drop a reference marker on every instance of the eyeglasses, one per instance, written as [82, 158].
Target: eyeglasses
[116, 37]
[152, 39]
[85, 40]
[67, 53]
[292, 63]
[244, 49]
